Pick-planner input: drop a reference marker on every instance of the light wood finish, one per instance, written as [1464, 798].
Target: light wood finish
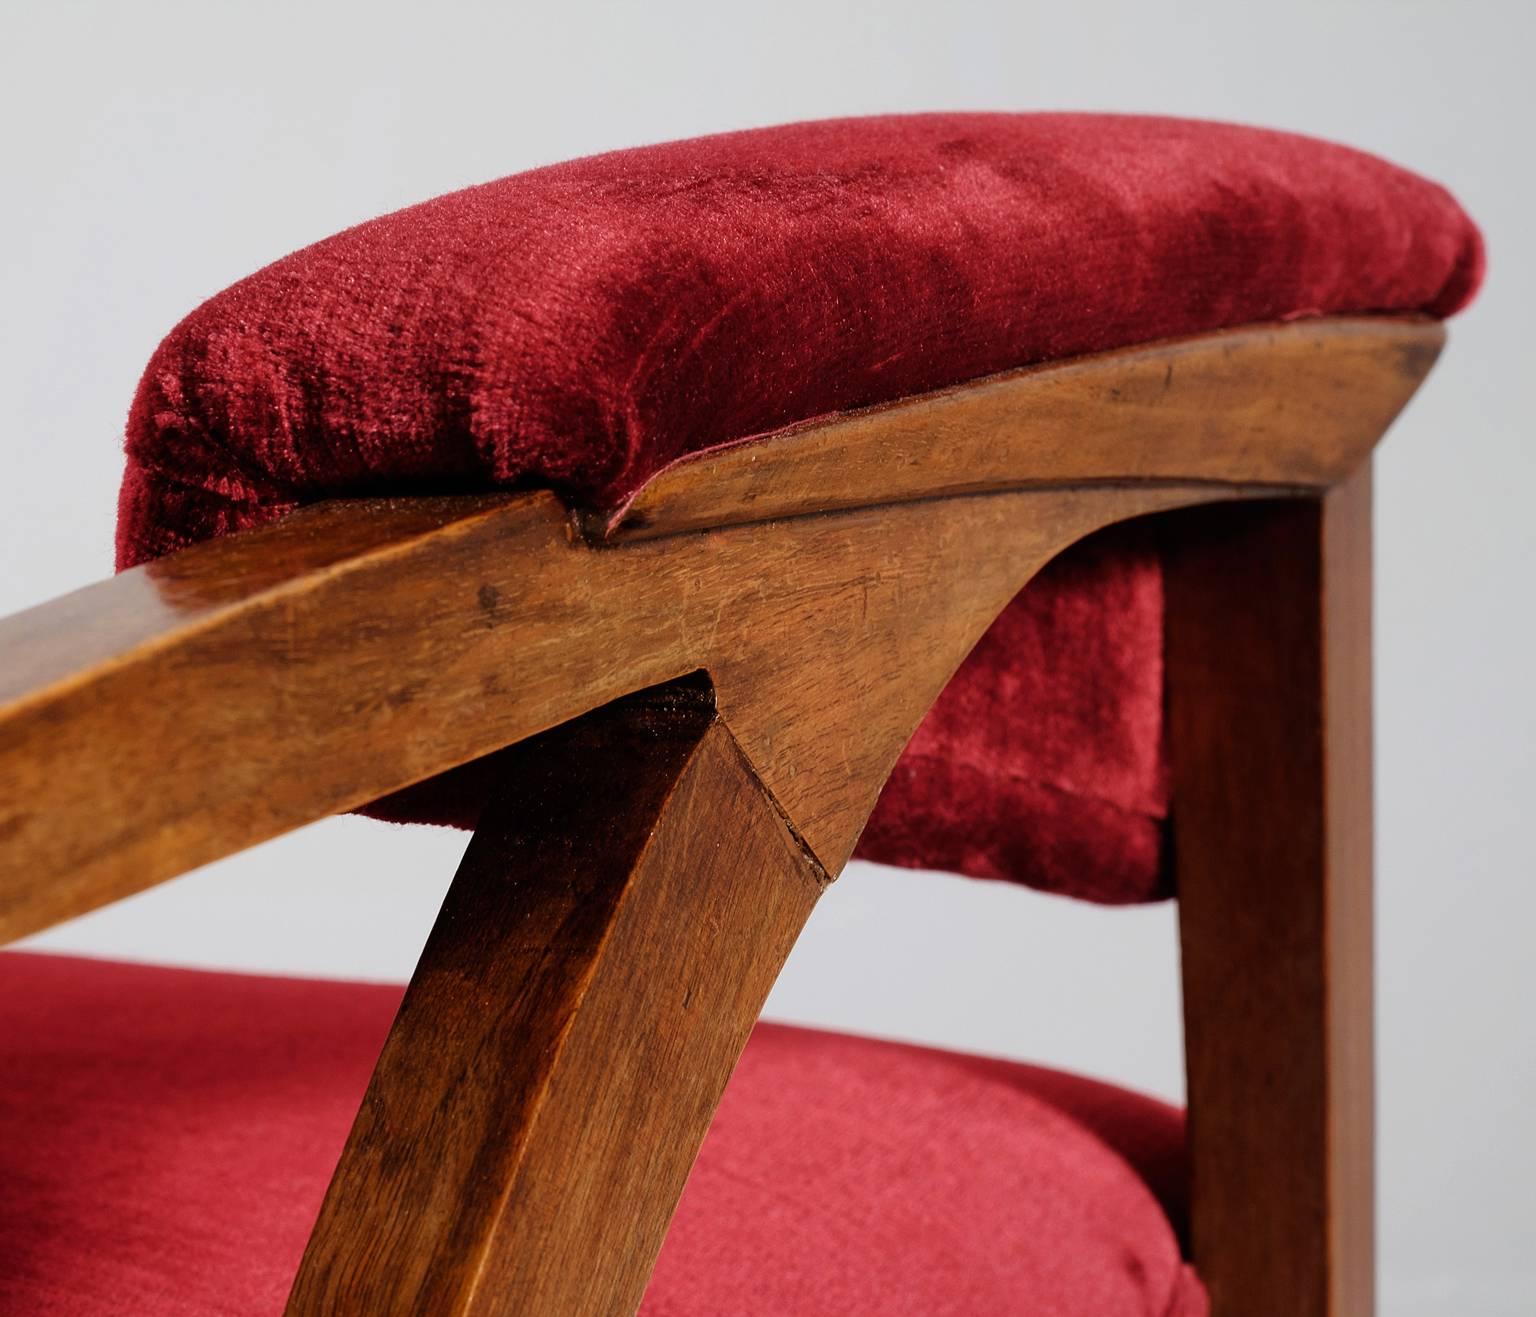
[1269, 688]
[590, 982]
[196, 706]
[1298, 404]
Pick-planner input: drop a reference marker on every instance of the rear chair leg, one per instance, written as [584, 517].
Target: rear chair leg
[599, 961]
[1269, 688]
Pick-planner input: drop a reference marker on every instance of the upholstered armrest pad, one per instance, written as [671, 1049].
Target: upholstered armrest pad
[583, 324]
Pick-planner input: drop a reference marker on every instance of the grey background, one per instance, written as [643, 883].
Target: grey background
[155, 152]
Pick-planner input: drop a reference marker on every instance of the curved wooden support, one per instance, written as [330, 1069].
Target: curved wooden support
[1299, 404]
[602, 955]
[827, 639]
[196, 706]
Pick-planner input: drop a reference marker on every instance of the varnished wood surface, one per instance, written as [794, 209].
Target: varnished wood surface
[607, 943]
[1269, 689]
[196, 706]
[828, 581]
[1295, 404]
[827, 637]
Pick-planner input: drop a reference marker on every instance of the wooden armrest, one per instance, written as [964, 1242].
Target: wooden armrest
[828, 582]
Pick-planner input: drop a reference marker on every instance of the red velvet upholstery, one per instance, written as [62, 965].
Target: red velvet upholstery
[166, 1137]
[581, 325]
[1043, 758]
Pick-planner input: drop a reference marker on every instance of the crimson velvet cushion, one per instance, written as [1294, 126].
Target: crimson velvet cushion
[166, 1137]
[580, 326]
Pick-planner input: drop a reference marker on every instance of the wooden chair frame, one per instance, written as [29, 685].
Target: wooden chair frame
[703, 693]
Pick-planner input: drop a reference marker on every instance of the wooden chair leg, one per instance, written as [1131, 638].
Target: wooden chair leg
[1269, 687]
[610, 936]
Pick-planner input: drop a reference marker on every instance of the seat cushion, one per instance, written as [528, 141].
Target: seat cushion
[582, 325]
[166, 1137]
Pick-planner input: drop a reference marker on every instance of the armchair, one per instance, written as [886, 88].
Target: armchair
[667, 518]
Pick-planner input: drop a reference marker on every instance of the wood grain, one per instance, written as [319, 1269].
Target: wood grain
[591, 980]
[1295, 404]
[827, 638]
[1269, 691]
[198, 705]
